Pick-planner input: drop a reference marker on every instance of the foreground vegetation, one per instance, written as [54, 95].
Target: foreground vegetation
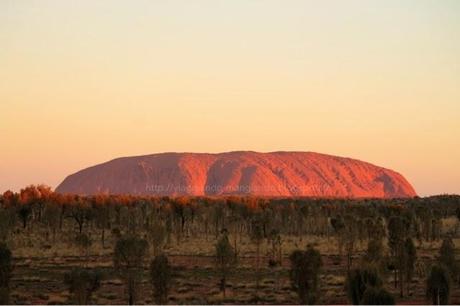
[103, 249]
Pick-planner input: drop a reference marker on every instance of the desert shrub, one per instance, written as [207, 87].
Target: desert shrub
[157, 237]
[128, 261]
[5, 273]
[410, 256]
[82, 284]
[377, 296]
[304, 274]
[160, 277]
[374, 252]
[225, 259]
[116, 233]
[398, 227]
[257, 236]
[5, 266]
[447, 257]
[438, 285]
[6, 223]
[83, 242]
[359, 280]
[51, 215]
[24, 212]
[4, 296]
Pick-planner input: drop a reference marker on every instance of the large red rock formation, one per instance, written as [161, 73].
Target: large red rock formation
[239, 173]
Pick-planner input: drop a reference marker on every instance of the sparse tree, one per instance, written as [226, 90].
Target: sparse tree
[128, 261]
[81, 213]
[160, 277]
[304, 274]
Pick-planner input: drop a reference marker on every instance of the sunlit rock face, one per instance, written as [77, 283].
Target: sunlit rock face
[280, 174]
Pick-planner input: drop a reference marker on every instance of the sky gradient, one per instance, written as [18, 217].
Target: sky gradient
[83, 82]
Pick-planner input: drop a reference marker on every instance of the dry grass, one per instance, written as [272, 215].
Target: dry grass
[40, 266]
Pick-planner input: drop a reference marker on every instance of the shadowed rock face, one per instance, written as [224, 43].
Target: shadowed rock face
[239, 173]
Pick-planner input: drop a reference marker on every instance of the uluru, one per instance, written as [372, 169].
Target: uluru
[277, 174]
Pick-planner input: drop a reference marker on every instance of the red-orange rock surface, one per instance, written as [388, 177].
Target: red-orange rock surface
[264, 174]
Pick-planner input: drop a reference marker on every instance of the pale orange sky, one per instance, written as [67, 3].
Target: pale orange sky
[83, 82]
